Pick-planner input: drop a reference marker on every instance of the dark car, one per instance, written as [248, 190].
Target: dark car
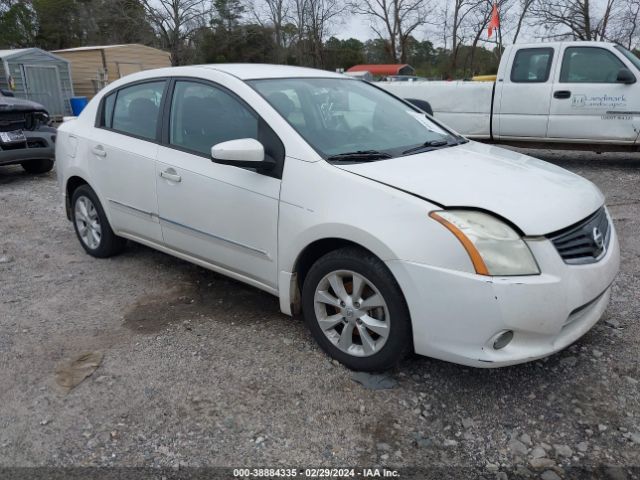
[26, 135]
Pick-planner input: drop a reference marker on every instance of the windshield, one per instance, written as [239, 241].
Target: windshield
[630, 56]
[345, 119]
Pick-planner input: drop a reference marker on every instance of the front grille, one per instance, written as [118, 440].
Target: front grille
[12, 121]
[584, 242]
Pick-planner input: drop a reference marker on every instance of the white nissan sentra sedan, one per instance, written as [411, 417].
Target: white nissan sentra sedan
[389, 231]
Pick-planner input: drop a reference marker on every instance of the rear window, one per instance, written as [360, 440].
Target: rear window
[532, 65]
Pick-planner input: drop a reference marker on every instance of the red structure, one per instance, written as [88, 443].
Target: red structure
[383, 70]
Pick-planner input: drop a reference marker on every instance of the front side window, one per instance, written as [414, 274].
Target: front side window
[532, 65]
[589, 65]
[137, 109]
[203, 116]
[344, 116]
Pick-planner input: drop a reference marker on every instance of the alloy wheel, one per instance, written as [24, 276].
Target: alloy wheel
[88, 222]
[352, 313]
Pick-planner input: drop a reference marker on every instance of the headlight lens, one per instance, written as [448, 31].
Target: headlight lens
[494, 247]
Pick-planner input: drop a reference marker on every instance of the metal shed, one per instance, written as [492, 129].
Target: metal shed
[39, 76]
[95, 67]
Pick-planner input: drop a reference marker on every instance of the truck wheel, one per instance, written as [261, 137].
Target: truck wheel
[43, 165]
[91, 225]
[356, 310]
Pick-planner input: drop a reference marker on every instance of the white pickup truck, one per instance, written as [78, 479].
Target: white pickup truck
[574, 95]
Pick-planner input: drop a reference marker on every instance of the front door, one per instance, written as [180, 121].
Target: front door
[588, 102]
[122, 154]
[224, 215]
[524, 94]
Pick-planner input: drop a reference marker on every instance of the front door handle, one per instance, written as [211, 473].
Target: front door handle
[171, 176]
[99, 151]
[562, 94]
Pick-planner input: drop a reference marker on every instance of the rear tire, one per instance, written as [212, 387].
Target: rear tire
[43, 165]
[92, 226]
[356, 310]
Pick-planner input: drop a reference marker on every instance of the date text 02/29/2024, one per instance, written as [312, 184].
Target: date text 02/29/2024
[315, 473]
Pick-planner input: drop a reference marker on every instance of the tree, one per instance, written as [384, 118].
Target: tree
[394, 21]
[175, 22]
[321, 16]
[525, 6]
[575, 19]
[17, 24]
[274, 14]
[118, 21]
[343, 53]
[60, 24]
[461, 10]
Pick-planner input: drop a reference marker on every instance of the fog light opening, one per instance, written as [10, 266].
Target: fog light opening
[502, 339]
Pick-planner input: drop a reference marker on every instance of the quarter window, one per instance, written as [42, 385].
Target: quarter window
[532, 65]
[107, 111]
[589, 65]
[203, 116]
[137, 109]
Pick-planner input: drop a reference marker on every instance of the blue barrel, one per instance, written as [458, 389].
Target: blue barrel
[78, 104]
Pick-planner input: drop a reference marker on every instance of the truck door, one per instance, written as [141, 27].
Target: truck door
[523, 93]
[594, 97]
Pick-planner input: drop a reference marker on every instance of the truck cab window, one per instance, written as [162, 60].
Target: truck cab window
[532, 65]
[589, 65]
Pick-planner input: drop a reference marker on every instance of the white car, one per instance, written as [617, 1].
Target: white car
[391, 233]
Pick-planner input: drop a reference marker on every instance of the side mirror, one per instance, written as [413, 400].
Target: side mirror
[6, 93]
[625, 76]
[244, 153]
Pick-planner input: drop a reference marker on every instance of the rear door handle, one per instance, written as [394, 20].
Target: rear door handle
[99, 151]
[562, 94]
[171, 176]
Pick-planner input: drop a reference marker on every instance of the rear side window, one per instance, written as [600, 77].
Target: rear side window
[589, 65]
[532, 65]
[137, 109]
[203, 116]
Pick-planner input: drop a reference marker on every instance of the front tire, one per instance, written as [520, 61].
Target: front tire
[356, 310]
[43, 165]
[92, 226]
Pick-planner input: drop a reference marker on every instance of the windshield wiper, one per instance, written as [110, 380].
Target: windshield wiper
[360, 156]
[429, 144]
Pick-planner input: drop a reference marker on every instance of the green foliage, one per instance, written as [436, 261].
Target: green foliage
[343, 53]
[17, 25]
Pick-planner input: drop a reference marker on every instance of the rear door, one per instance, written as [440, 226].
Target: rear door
[122, 151]
[524, 93]
[588, 102]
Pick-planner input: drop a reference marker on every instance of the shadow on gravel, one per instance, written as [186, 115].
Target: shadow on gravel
[199, 295]
[14, 174]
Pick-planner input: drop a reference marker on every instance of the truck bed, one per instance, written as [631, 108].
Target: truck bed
[463, 106]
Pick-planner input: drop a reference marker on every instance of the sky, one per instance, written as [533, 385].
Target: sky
[356, 26]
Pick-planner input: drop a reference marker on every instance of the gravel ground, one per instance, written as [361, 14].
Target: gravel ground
[199, 370]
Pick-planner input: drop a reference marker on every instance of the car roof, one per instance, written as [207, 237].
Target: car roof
[252, 71]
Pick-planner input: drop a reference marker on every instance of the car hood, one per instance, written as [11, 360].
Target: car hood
[536, 196]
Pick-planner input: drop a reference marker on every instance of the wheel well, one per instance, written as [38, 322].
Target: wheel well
[72, 184]
[317, 249]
